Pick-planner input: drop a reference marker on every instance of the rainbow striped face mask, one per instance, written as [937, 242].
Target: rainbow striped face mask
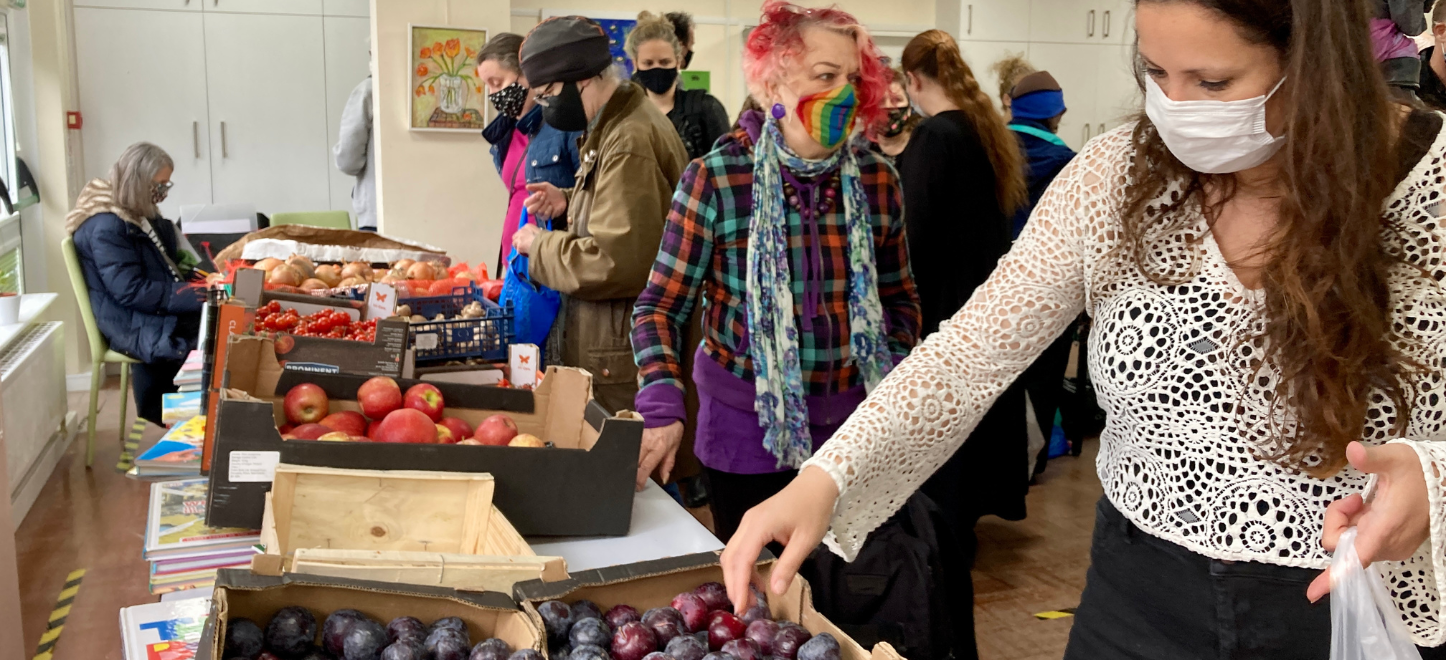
[829, 116]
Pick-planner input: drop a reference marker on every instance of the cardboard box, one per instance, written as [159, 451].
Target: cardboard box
[432, 528]
[582, 487]
[242, 594]
[650, 584]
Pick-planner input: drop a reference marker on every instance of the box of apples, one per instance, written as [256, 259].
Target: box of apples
[311, 617]
[677, 609]
[563, 465]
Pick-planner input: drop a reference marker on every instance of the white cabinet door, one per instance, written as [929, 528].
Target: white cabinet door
[1117, 21]
[1076, 67]
[142, 76]
[357, 8]
[267, 87]
[347, 64]
[981, 56]
[303, 7]
[173, 5]
[1066, 21]
[994, 20]
[1118, 92]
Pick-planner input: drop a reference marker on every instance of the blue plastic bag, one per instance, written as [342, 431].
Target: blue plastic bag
[534, 307]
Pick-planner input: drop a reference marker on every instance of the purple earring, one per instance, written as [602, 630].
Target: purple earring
[778, 111]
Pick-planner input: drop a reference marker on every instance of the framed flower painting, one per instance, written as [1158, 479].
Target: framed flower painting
[446, 94]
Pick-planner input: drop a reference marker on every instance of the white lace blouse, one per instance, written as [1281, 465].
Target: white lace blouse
[1185, 418]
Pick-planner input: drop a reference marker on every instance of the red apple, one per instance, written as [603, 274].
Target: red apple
[496, 430]
[285, 429]
[426, 398]
[469, 441]
[445, 435]
[459, 427]
[372, 429]
[378, 397]
[346, 421]
[310, 432]
[407, 425]
[305, 404]
[335, 436]
[526, 440]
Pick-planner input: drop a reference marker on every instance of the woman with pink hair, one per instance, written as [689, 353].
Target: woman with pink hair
[793, 240]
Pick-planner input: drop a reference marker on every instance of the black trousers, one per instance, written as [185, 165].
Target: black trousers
[1148, 599]
[732, 495]
[148, 383]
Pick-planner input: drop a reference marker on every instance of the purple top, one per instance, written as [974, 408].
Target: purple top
[1388, 42]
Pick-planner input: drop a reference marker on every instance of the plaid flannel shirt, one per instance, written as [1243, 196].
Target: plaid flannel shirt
[705, 246]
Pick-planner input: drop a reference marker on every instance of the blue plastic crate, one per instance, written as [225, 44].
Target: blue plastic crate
[485, 338]
[449, 305]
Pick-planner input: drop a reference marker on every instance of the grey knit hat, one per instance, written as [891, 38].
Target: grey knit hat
[566, 49]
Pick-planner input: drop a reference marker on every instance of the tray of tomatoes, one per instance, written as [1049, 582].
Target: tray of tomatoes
[327, 323]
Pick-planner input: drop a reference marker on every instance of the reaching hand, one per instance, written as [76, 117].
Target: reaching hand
[1397, 520]
[546, 201]
[524, 236]
[797, 517]
[660, 446]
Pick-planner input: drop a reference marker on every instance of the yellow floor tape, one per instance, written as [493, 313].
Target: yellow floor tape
[58, 615]
[1055, 614]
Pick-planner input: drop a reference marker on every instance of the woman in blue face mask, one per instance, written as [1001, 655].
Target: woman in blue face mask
[658, 55]
[1261, 254]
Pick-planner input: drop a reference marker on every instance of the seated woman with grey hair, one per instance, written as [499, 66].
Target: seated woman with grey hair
[141, 293]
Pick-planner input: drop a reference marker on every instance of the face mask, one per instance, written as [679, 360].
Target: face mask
[687, 59]
[829, 116]
[898, 119]
[160, 191]
[657, 81]
[564, 111]
[1213, 137]
[509, 99]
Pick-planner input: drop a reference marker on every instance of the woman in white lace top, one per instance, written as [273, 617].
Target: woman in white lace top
[1262, 254]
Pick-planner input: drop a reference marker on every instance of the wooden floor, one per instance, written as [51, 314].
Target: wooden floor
[95, 519]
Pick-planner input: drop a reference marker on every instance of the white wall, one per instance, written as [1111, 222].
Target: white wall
[438, 188]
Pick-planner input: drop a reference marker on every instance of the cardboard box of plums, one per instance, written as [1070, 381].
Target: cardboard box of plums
[578, 482]
[306, 617]
[677, 606]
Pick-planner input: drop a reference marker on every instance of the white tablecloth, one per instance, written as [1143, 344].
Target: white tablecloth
[661, 528]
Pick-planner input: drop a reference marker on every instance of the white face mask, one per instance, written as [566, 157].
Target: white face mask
[1213, 137]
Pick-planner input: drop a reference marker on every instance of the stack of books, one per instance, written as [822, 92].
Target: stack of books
[184, 552]
[188, 379]
[165, 630]
[180, 406]
[176, 454]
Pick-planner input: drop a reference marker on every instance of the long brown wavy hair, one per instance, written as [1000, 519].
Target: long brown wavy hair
[936, 55]
[1327, 303]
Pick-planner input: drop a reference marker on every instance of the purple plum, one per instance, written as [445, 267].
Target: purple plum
[633, 641]
[694, 610]
[406, 629]
[585, 609]
[491, 649]
[666, 623]
[658, 655]
[447, 644]
[365, 640]
[723, 629]
[590, 631]
[243, 639]
[719, 656]
[763, 632]
[404, 650]
[333, 632]
[291, 632]
[588, 652]
[528, 654]
[715, 595]
[686, 647]
[790, 637]
[743, 649]
[557, 616]
[620, 615]
[454, 623]
[823, 646]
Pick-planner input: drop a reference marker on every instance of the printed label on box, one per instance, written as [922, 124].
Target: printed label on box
[426, 341]
[253, 466]
[523, 363]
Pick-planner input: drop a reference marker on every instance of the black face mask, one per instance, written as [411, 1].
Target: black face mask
[898, 121]
[564, 111]
[509, 99]
[657, 81]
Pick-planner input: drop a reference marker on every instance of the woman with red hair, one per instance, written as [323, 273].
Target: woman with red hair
[793, 240]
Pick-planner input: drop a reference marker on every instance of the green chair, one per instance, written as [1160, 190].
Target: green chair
[100, 352]
[327, 219]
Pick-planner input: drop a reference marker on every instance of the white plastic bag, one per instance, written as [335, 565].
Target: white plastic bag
[1365, 624]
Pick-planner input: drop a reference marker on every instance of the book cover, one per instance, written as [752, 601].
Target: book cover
[180, 406]
[163, 631]
[179, 447]
[176, 520]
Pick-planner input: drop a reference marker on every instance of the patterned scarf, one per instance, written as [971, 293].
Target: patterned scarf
[778, 376]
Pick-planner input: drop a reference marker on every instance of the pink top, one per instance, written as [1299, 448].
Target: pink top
[1388, 42]
[514, 176]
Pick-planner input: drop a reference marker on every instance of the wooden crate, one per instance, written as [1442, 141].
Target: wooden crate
[414, 527]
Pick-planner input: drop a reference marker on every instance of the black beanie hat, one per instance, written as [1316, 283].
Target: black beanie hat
[566, 49]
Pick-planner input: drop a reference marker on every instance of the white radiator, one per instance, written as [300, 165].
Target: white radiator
[32, 412]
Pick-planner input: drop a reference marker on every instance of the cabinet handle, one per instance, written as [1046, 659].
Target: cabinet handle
[1101, 131]
[1086, 132]
[1088, 33]
[970, 30]
[1107, 24]
[196, 135]
[224, 153]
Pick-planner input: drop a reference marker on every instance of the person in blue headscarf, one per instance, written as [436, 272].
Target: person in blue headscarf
[1037, 107]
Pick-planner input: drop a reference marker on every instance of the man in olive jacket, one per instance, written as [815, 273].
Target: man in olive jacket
[631, 158]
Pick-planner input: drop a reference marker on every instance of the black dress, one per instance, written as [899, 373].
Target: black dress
[700, 120]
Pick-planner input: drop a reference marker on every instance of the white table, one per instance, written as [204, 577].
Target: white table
[661, 528]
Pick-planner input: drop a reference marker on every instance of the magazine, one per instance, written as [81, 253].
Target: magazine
[176, 523]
